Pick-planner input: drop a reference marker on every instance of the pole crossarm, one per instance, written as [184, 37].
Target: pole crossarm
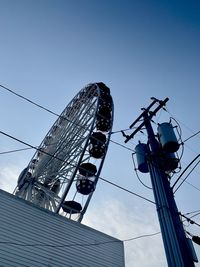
[144, 114]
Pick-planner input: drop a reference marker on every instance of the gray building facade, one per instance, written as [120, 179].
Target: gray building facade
[34, 237]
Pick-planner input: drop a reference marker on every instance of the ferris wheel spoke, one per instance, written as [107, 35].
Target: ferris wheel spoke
[63, 173]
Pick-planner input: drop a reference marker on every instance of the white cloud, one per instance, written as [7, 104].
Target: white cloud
[8, 177]
[117, 220]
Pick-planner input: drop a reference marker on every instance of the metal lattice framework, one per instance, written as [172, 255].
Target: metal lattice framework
[61, 176]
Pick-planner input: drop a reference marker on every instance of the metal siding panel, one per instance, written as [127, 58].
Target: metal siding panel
[22, 222]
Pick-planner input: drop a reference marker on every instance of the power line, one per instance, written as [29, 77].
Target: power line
[188, 213]
[195, 239]
[187, 176]
[134, 238]
[28, 100]
[125, 147]
[126, 190]
[16, 150]
[48, 110]
[188, 128]
[191, 136]
[185, 170]
[189, 219]
[120, 131]
[195, 187]
[31, 146]
[40, 106]
[75, 244]
[167, 110]
[57, 115]
[103, 179]
[195, 215]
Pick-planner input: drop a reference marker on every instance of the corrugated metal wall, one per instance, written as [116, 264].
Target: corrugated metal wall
[33, 237]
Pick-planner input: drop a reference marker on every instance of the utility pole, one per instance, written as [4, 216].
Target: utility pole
[177, 250]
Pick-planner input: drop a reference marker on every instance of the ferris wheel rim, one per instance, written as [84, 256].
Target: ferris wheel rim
[76, 125]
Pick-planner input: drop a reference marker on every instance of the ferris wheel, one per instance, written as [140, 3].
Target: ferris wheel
[64, 171]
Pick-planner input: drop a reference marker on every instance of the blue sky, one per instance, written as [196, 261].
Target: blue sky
[49, 50]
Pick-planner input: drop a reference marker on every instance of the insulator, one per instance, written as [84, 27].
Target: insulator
[85, 186]
[87, 169]
[167, 137]
[71, 207]
[141, 151]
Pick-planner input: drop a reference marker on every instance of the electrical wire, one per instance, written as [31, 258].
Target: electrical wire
[31, 146]
[134, 238]
[135, 169]
[126, 190]
[75, 244]
[32, 102]
[188, 128]
[188, 213]
[16, 150]
[195, 239]
[48, 110]
[195, 215]
[127, 148]
[167, 110]
[186, 176]
[28, 100]
[57, 115]
[40, 106]
[179, 133]
[54, 113]
[119, 131]
[185, 170]
[191, 136]
[103, 179]
[189, 219]
[195, 187]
